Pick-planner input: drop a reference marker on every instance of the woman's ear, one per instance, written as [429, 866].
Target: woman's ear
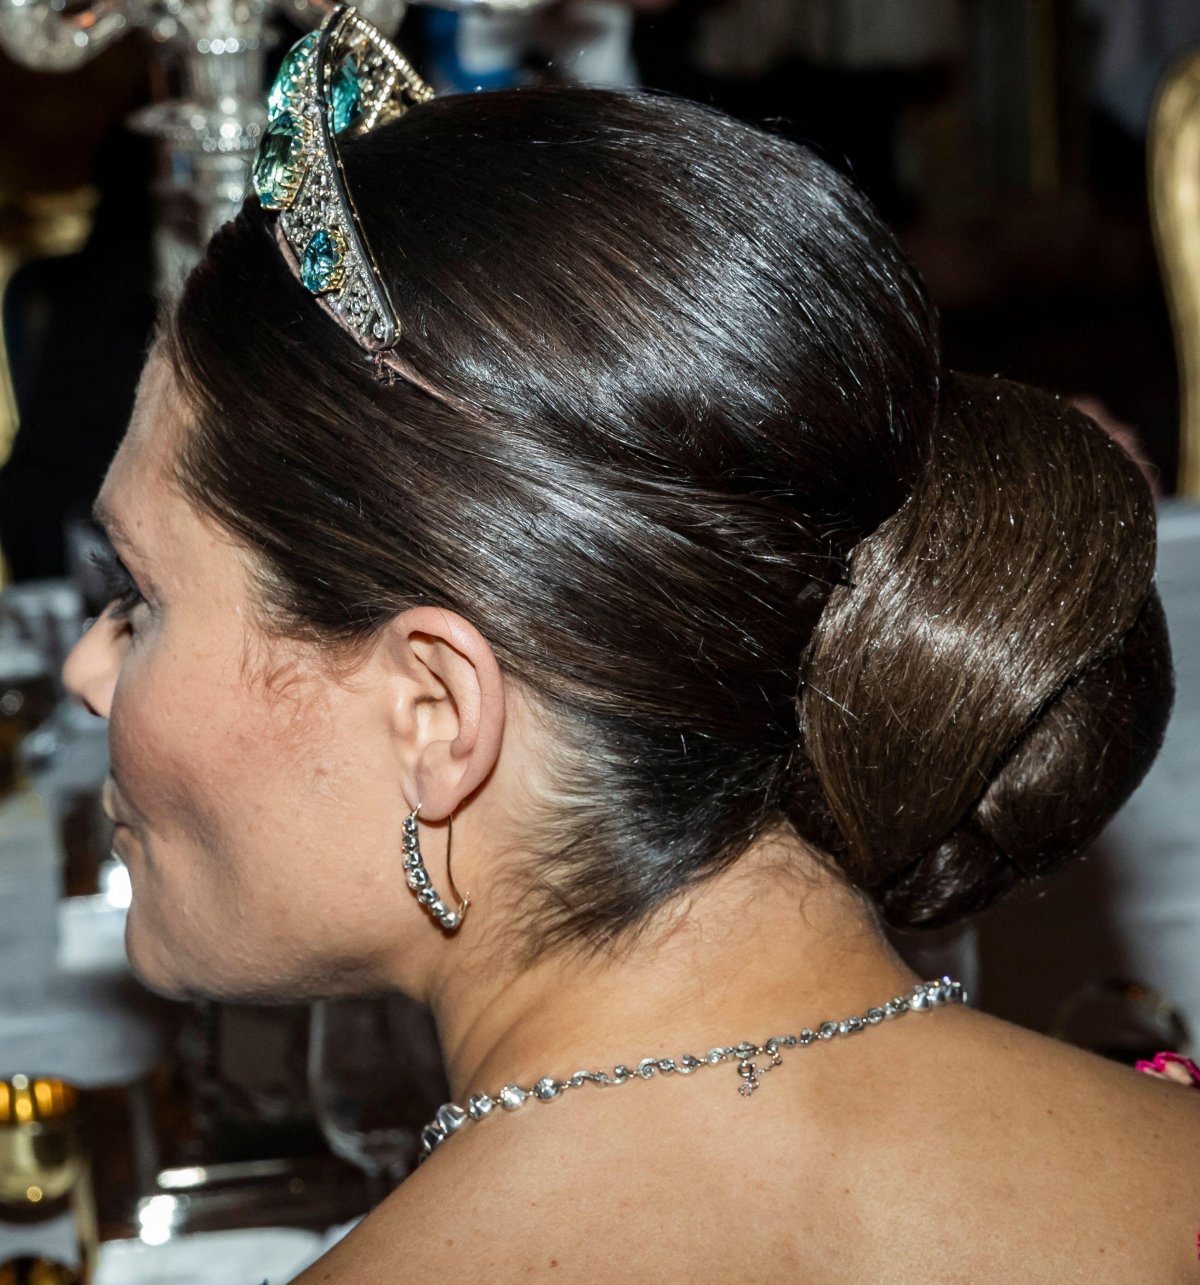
[447, 707]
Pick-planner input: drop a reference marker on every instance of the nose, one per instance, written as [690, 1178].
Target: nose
[90, 671]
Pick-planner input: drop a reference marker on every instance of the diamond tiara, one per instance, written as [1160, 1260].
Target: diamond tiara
[340, 81]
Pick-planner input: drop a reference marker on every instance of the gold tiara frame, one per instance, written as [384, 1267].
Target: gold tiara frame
[340, 81]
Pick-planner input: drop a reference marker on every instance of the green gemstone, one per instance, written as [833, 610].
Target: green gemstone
[277, 164]
[321, 266]
[345, 96]
[291, 75]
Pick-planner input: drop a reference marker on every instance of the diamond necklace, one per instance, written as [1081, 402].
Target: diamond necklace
[451, 1117]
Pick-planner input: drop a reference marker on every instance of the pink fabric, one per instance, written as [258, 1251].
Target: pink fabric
[1172, 1066]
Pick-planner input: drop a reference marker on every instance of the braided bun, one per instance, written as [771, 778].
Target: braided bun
[996, 680]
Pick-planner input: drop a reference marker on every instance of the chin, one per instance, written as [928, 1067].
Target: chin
[147, 963]
[278, 972]
[161, 966]
[178, 977]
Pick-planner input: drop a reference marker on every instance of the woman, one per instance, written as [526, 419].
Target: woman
[655, 555]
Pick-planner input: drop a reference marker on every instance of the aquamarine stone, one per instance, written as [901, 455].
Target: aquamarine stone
[291, 75]
[321, 269]
[276, 170]
[345, 96]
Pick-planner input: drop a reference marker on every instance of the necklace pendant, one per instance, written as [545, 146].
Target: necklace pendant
[751, 1073]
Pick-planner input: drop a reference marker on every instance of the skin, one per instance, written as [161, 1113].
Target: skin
[261, 791]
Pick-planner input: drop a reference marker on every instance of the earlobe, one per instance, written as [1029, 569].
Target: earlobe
[455, 707]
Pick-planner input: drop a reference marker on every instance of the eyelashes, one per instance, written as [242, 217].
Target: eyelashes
[121, 591]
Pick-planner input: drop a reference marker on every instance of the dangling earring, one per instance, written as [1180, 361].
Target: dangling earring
[418, 877]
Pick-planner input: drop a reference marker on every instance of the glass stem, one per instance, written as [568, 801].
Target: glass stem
[379, 1186]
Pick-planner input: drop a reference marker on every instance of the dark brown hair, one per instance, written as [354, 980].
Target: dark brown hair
[679, 444]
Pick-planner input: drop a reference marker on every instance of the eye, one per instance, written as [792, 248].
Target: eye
[122, 592]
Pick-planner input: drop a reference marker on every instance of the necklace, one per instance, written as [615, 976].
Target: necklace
[451, 1117]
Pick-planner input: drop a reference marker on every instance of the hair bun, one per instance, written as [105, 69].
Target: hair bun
[996, 680]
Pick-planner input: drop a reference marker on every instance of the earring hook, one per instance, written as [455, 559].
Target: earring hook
[463, 902]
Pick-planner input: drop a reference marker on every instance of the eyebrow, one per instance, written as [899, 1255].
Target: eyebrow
[110, 524]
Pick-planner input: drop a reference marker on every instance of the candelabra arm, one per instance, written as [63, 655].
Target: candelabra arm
[37, 34]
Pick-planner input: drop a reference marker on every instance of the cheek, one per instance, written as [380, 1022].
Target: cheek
[165, 743]
[255, 818]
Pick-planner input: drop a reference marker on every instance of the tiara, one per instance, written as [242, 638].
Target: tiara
[340, 81]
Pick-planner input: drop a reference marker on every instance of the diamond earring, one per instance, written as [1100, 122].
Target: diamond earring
[418, 880]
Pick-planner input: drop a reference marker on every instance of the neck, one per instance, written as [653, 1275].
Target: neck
[749, 954]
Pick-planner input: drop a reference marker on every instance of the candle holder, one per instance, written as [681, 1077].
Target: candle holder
[215, 51]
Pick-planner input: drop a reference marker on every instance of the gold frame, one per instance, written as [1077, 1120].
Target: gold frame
[36, 225]
[1174, 179]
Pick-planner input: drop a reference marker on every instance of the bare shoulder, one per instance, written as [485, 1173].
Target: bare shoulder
[1079, 1163]
[969, 1150]
[1038, 1084]
[474, 1214]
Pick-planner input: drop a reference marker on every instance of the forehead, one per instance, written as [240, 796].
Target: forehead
[142, 471]
[158, 416]
[156, 527]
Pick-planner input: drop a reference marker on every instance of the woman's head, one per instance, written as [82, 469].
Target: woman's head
[678, 454]
[257, 790]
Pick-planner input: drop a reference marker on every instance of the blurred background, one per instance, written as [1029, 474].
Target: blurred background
[1040, 160]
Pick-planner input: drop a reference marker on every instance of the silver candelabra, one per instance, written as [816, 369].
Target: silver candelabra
[215, 50]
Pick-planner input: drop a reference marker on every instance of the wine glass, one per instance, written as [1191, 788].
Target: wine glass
[375, 1079]
[1121, 1019]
